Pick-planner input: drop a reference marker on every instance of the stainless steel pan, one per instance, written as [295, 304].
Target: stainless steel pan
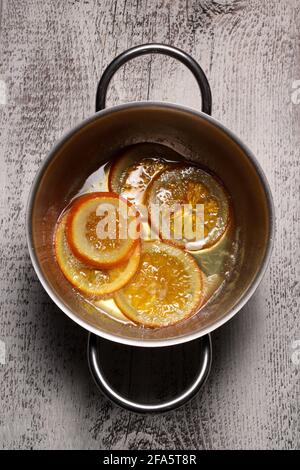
[194, 134]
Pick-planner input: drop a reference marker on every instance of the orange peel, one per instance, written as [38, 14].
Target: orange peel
[203, 194]
[166, 289]
[88, 280]
[102, 229]
[132, 172]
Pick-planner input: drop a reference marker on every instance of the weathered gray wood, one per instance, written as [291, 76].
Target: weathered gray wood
[51, 56]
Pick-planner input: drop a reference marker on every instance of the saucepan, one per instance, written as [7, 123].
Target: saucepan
[200, 138]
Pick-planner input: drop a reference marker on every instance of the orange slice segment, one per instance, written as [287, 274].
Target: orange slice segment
[102, 229]
[88, 280]
[132, 172]
[166, 289]
[196, 204]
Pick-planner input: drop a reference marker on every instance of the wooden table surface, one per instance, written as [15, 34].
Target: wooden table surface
[52, 54]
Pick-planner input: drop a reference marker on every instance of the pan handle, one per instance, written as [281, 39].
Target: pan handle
[171, 51]
[94, 360]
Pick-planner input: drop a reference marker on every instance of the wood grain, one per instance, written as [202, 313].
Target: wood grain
[52, 54]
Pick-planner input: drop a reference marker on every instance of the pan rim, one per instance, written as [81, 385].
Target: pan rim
[151, 342]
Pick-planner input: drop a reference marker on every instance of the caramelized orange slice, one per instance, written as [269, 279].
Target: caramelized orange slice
[88, 280]
[102, 229]
[166, 288]
[196, 204]
[132, 172]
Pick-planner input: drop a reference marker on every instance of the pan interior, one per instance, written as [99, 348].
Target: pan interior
[197, 138]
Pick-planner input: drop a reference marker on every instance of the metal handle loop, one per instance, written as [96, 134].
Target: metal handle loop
[171, 51]
[94, 360]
